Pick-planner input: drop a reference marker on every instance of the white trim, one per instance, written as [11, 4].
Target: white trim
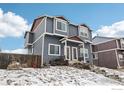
[42, 50]
[117, 44]
[54, 21]
[45, 24]
[61, 20]
[117, 59]
[67, 53]
[32, 49]
[47, 33]
[103, 42]
[65, 49]
[96, 56]
[87, 52]
[84, 53]
[106, 50]
[39, 24]
[64, 22]
[43, 32]
[38, 38]
[54, 45]
[55, 34]
[84, 29]
[121, 40]
[72, 41]
[73, 53]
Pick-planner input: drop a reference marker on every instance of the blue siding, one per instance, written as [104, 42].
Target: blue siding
[61, 32]
[40, 30]
[49, 26]
[52, 40]
[73, 30]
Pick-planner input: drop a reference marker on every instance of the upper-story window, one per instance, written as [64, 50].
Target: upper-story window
[122, 43]
[82, 51]
[61, 25]
[83, 32]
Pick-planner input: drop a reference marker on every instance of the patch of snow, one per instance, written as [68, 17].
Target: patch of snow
[54, 76]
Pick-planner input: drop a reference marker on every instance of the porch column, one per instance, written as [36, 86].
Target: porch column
[65, 49]
[84, 53]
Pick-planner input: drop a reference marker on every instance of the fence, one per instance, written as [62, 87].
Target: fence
[30, 60]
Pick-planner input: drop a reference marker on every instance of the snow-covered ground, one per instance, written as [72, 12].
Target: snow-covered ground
[54, 76]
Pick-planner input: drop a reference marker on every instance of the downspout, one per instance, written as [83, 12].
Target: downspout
[91, 54]
[42, 61]
[65, 49]
[117, 55]
[84, 52]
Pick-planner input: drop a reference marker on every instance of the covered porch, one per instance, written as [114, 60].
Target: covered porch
[72, 49]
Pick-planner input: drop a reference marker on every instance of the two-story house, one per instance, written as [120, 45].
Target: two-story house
[55, 37]
[108, 52]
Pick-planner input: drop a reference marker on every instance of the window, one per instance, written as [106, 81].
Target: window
[82, 52]
[61, 25]
[122, 43]
[54, 49]
[83, 32]
[120, 56]
[95, 55]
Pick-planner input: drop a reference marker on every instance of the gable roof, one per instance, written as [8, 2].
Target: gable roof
[35, 23]
[63, 18]
[75, 38]
[101, 39]
[86, 26]
[39, 19]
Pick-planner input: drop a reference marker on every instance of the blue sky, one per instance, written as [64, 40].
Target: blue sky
[94, 15]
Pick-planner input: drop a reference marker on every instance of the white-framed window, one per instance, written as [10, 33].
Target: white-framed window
[54, 49]
[122, 43]
[61, 25]
[95, 55]
[121, 57]
[82, 50]
[83, 32]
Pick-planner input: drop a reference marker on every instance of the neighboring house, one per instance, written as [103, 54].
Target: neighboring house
[55, 37]
[108, 52]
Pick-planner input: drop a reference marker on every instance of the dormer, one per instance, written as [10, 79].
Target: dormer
[61, 25]
[84, 31]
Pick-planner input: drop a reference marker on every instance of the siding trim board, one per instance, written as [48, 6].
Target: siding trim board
[117, 59]
[69, 52]
[72, 41]
[117, 43]
[106, 50]
[42, 50]
[104, 42]
[73, 53]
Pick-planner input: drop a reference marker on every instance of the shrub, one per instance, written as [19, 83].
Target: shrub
[59, 62]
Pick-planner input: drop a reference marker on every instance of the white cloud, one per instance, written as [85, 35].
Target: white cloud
[115, 30]
[12, 25]
[17, 51]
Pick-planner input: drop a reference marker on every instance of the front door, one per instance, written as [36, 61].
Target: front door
[68, 57]
[74, 53]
